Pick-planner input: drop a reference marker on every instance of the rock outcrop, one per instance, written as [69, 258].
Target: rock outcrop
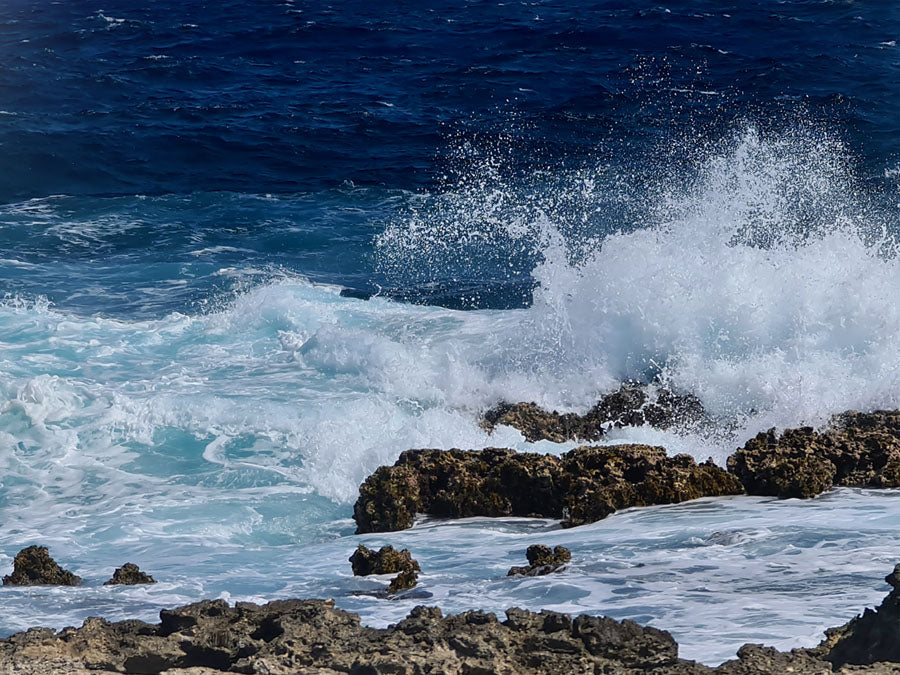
[129, 574]
[33, 566]
[291, 636]
[856, 450]
[870, 637]
[387, 560]
[407, 579]
[582, 486]
[542, 560]
[632, 405]
[312, 636]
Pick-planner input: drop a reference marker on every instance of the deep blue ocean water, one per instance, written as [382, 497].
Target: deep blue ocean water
[543, 198]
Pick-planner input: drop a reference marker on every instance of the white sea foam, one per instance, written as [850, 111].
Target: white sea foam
[765, 287]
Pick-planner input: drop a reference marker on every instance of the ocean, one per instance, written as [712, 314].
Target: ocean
[540, 200]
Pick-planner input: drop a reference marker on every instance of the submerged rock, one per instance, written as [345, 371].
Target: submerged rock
[33, 566]
[856, 450]
[631, 405]
[541, 561]
[386, 560]
[129, 574]
[583, 485]
[405, 580]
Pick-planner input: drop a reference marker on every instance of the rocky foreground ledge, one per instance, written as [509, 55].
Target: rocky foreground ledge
[312, 636]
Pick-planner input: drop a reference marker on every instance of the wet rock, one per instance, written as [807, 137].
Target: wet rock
[355, 293]
[855, 450]
[632, 405]
[583, 485]
[386, 560]
[405, 580]
[129, 574]
[388, 500]
[601, 480]
[542, 560]
[33, 566]
[759, 660]
[537, 424]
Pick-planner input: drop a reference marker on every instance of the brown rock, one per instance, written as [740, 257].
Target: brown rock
[631, 405]
[33, 566]
[541, 561]
[601, 480]
[584, 485]
[403, 581]
[856, 450]
[310, 636]
[537, 424]
[129, 574]
[759, 660]
[386, 560]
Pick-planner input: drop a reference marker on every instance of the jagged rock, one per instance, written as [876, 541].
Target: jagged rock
[631, 405]
[403, 581]
[760, 660]
[871, 636]
[386, 560]
[856, 450]
[129, 574]
[583, 485]
[537, 424]
[291, 636]
[542, 560]
[312, 636]
[33, 566]
[601, 480]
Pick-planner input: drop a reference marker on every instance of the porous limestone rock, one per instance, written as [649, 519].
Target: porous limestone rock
[542, 560]
[33, 566]
[312, 636]
[387, 560]
[855, 450]
[129, 574]
[582, 486]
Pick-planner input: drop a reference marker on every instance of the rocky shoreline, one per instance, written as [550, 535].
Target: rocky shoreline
[589, 483]
[313, 636]
[580, 486]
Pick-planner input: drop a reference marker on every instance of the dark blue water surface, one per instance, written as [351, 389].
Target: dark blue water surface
[286, 134]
